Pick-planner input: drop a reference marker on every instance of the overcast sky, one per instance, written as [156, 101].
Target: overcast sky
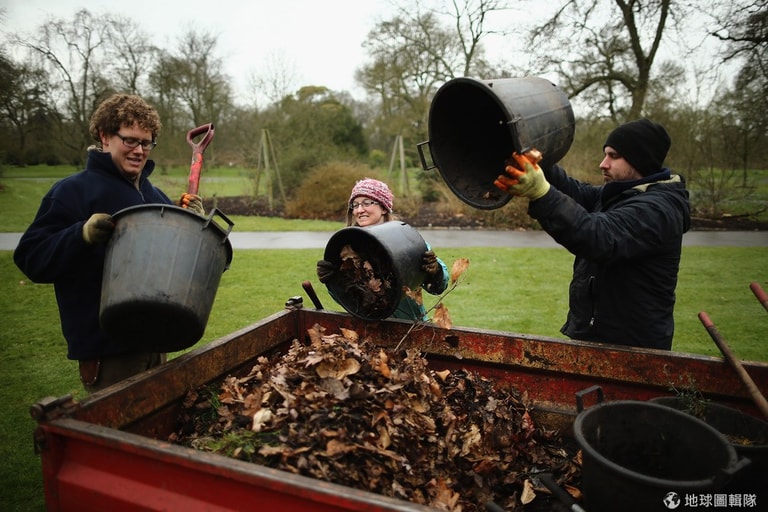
[320, 41]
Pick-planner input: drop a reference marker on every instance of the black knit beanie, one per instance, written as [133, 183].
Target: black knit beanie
[642, 143]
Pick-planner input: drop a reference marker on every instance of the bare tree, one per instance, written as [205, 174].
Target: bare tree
[605, 50]
[743, 27]
[274, 80]
[414, 53]
[132, 55]
[192, 78]
[73, 51]
[469, 19]
[189, 89]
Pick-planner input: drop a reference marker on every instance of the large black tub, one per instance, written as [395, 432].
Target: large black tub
[747, 434]
[642, 456]
[161, 274]
[475, 125]
[388, 254]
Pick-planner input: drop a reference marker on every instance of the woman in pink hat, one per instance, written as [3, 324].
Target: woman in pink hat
[370, 203]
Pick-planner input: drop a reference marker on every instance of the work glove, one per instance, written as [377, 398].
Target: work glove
[429, 263]
[98, 228]
[325, 271]
[192, 202]
[524, 176]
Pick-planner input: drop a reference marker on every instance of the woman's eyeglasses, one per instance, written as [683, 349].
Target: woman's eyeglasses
[365, 204]
[131, 142]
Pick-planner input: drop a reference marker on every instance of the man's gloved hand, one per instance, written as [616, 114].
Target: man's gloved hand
[325, 271]
[524, 176]
[98, 228]
[429, 263]
[192, 202]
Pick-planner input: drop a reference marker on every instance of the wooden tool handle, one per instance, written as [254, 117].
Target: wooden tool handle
[754, 392]
[760, 294]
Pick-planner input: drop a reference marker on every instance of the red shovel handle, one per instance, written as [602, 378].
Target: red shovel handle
[760, 294]
[197, 154]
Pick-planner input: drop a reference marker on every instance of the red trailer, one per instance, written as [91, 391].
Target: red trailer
[109, 451]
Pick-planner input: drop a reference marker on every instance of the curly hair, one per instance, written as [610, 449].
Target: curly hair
[123, 110]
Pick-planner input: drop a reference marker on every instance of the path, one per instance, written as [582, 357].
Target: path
[449, 238]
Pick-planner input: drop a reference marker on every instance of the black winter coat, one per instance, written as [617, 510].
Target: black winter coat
[627, 239]
[52, 250]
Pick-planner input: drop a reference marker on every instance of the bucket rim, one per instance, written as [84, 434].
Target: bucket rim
[482, 87]
[479, 84]
[486, 84]
[645, 479]
[178, 209]
[148, 206]
[366, 231]
[714, 406]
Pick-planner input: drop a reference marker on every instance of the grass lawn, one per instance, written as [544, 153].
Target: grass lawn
[518, 290]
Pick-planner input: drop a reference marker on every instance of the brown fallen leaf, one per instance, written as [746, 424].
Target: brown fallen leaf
[441, 317]
[528, 494]
[380, 420]
[338, 369]
[459, 267]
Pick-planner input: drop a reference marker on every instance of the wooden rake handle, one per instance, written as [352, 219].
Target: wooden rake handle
[760, 294]
[754, 392]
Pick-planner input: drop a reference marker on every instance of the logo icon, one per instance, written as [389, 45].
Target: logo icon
[671, 500]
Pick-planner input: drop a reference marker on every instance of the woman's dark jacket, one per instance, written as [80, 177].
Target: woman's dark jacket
[52, 250]
[627, 239]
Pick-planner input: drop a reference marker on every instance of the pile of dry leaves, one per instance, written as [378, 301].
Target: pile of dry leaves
[367, 284]
[342, 410]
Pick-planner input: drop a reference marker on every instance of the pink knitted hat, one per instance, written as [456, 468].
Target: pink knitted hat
[374, 189]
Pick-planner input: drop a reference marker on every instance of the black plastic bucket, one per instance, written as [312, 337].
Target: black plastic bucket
[161, 273]
[637, 454]
[475, 125]
[747, 434]
[393, 250]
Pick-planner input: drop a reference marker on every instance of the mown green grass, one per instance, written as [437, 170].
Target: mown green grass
[22, 188]
[515, 290]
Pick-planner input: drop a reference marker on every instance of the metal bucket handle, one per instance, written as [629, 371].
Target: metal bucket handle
[424, 164]
[209, 220]
[580, 396]
[725, 475]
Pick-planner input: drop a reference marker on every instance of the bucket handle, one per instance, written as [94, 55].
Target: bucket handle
[424, 164]
[580, 396]
[217, 212]
[725, 475]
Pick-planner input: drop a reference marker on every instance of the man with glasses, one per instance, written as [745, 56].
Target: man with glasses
[66, 242]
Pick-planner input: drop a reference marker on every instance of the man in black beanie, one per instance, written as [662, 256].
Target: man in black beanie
[626, 235]
[643, 144]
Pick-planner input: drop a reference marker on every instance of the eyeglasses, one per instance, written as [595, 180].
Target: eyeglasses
[132, 142]
[365, 204]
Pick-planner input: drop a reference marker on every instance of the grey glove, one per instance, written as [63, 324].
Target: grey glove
[98, 228]
[429, 263]
[325, 271]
